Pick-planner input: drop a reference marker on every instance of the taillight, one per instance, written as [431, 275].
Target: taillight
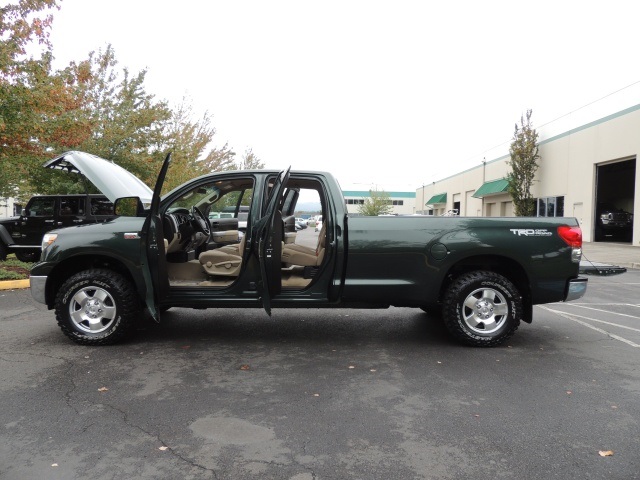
[572, 236]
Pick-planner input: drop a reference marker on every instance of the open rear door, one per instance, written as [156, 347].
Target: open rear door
[155, 267]
[270, 245]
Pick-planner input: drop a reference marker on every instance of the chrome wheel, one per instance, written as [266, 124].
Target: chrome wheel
[485, 310]
[92, 309]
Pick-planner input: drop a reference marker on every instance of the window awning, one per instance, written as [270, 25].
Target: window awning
[493, 187]
[439, 198]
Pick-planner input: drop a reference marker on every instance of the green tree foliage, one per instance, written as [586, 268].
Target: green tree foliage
[25, 92]
[188, 140]
[110, 115]
[91, 105]
[378, 203]
[523, 163]
[250, 161]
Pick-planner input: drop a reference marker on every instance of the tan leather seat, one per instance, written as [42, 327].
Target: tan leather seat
[300, 255]
[224, 261]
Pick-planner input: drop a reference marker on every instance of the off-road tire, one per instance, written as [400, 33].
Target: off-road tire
[3, 252]
[482, 308]
[97, 307]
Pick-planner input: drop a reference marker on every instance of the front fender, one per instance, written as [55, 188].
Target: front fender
[5, 236]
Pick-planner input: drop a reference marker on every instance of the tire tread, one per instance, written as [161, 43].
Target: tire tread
[129, 307]
[450, 314]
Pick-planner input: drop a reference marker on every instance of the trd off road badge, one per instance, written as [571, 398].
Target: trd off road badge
[531, 232]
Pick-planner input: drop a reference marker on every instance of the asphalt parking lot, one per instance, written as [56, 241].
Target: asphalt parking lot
[325, 394]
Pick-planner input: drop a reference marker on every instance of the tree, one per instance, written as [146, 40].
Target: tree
[250, 161]
[25, 95]
[524, 155]
[187, 140]
[378, 203]
[90, 105]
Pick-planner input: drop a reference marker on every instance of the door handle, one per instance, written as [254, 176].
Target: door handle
[49, 221]
[77, 220]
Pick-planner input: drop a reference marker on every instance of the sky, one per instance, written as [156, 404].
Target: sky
[392, 94]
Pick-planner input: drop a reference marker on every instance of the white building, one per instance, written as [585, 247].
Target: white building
[402, 203]
[591, 164]
[8, 208]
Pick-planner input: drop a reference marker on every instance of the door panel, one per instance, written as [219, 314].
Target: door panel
[155, 270]
[270, 246]
[71, 211]
[40, 217]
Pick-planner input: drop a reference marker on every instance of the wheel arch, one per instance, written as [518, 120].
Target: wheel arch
[5, 236]
[79, 263]
[505, 266]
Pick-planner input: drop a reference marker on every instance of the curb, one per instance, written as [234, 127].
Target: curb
[13, 284]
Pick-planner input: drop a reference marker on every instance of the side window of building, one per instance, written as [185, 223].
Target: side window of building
[41, 207]
[70, 206]
[550, 206]
[101, 206]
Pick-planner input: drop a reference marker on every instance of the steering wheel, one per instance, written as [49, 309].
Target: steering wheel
[201, 222]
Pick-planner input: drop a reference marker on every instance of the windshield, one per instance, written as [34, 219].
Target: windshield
[203, 195]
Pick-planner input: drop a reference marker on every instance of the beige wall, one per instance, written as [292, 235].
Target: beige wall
[568, 166]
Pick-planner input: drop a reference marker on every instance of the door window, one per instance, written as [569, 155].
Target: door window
[101, 206]
[41, 207]
[70, 206]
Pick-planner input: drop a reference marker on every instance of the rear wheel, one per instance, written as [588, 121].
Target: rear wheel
[97, 307]
[482, 308]
[3, 252]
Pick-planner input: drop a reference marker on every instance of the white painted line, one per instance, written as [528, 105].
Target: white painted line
[569, 316]
[594, 319]
[609, 311]
[602, 304]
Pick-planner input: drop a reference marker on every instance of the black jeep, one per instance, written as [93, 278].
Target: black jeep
[22, 235]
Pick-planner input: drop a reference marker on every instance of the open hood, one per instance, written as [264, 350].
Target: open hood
[112, 180]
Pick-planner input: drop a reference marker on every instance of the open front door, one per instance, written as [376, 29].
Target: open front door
[270, 245]
[155, 267]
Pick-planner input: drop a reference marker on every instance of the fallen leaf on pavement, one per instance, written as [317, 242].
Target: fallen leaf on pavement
[245, 367]
[606, 453]
[163, 448]
[103, 389]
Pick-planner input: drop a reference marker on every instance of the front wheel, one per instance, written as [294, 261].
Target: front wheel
[482, 308]
[97, 307]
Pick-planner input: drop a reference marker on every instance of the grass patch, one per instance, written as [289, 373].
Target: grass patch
[14, 269]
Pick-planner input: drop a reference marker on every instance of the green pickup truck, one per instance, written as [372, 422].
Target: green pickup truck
[483, 274]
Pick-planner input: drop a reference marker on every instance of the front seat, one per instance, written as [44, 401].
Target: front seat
[224, 261]
[300, 255]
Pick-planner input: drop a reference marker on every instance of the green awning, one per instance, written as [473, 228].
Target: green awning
[440, 198]
[492, 188]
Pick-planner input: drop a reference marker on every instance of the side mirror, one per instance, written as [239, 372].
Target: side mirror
[24, 212]
[128, 207]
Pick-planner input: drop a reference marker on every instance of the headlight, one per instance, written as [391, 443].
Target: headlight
[48, 239]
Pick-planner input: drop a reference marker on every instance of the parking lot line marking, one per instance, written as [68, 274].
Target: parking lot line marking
[609, 311]
[570, 316]
[595, 319]
[605, 304]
